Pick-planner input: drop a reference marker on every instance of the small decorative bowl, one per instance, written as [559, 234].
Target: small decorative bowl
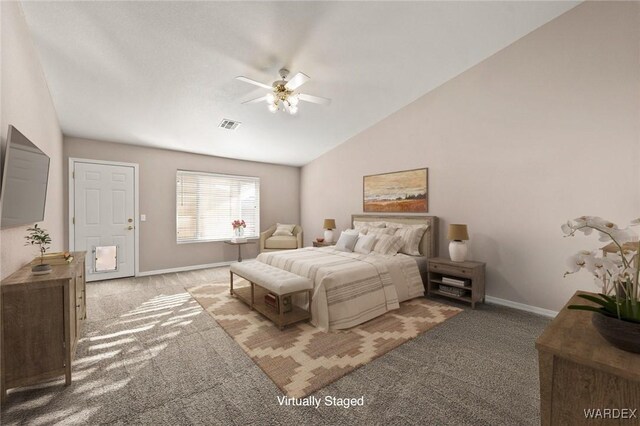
[320, 240]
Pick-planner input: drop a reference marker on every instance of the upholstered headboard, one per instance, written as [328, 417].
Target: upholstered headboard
[429, 242]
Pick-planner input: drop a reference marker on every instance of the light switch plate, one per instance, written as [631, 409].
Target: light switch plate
[143, 218]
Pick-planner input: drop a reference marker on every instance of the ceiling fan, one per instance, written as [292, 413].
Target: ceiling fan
[283, 95]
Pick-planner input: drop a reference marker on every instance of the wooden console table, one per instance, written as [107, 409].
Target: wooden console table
[42, 317]
[579, 371]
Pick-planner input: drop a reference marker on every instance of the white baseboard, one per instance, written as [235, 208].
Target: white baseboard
[521, 306]
[185, 268]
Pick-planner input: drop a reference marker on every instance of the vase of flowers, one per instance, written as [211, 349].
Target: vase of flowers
[617, 312]
[238, 227]
[39, 237]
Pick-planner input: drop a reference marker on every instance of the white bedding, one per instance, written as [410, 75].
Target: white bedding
[350, 288]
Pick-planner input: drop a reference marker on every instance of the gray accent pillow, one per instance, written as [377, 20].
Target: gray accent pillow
[365, 244]
[346, 242]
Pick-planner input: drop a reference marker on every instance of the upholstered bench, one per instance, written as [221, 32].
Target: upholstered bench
[266, 279]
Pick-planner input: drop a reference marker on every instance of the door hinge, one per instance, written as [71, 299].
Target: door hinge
[74, 220]
[73, 174]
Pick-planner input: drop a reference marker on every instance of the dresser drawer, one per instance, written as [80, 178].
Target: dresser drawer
[447, 269]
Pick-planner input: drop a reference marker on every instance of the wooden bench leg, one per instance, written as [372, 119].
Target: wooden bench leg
[231, 281]
[281, 312]
[252, 295]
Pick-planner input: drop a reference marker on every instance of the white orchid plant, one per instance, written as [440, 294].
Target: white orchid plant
[616, 274]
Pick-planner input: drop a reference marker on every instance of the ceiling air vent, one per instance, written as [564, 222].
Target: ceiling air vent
[229, 124]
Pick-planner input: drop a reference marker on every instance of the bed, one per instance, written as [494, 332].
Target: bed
[352, 288]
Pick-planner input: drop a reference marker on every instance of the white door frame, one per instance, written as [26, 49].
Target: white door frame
[136, 204]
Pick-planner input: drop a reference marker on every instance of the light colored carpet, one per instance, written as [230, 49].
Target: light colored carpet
[302, 359]
[151, 355]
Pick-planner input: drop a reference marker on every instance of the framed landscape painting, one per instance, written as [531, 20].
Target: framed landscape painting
[398, 192]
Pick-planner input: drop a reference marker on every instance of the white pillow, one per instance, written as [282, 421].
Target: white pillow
[361, 229]
[381, 231]
[388, 244]
[354, 231]
[365, 244]
[394, 225]
[346, 242]
[411, 236]
[283, 230]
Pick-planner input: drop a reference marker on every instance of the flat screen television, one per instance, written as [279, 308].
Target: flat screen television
[24, 181]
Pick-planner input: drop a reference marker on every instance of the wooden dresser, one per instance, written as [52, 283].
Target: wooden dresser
[579, 371]
[42, 317]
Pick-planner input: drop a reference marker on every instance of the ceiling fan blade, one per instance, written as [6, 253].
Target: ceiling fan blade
[256, 100]
[255, 83]
[314, 99]
[297, 81]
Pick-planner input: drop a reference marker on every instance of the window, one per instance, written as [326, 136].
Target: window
[207, 203]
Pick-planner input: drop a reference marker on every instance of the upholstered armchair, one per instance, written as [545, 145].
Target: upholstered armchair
[270, 242]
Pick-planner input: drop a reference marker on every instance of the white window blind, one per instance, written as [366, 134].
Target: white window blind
[207, 203]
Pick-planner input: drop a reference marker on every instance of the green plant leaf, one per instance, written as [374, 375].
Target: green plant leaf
[607, 297]
[585, 308]
[597, 300]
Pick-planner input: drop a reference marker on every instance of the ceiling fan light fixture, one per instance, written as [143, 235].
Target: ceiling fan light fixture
[283, 95]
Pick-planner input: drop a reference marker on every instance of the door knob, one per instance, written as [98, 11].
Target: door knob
[130, 227]
[130, 220]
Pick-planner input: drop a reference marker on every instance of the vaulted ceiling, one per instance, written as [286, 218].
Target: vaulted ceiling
[162, 74]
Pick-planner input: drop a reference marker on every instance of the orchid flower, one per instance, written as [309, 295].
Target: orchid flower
[616, 273]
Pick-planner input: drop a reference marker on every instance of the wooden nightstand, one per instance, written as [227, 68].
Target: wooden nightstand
[468, 275]
[322, 244]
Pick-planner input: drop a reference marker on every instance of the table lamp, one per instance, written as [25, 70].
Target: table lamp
[329, 226]
[457, 247]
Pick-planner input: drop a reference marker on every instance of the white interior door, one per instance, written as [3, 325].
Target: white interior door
[104, 218]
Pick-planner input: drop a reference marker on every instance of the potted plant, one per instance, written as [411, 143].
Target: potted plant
[617, 311]
[40, 237]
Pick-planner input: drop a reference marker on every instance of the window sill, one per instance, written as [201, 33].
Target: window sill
[217, 240]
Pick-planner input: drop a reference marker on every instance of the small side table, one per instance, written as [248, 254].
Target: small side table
[468, 276]
[239, 247]
[322, 244]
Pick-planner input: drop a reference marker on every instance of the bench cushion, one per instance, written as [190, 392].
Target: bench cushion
[281, 242]
[273, 279]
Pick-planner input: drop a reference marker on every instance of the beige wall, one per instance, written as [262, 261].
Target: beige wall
[27, 105]
[279, 198]
[543, 131]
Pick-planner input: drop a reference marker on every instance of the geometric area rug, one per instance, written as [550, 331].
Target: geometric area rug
[302, 359]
